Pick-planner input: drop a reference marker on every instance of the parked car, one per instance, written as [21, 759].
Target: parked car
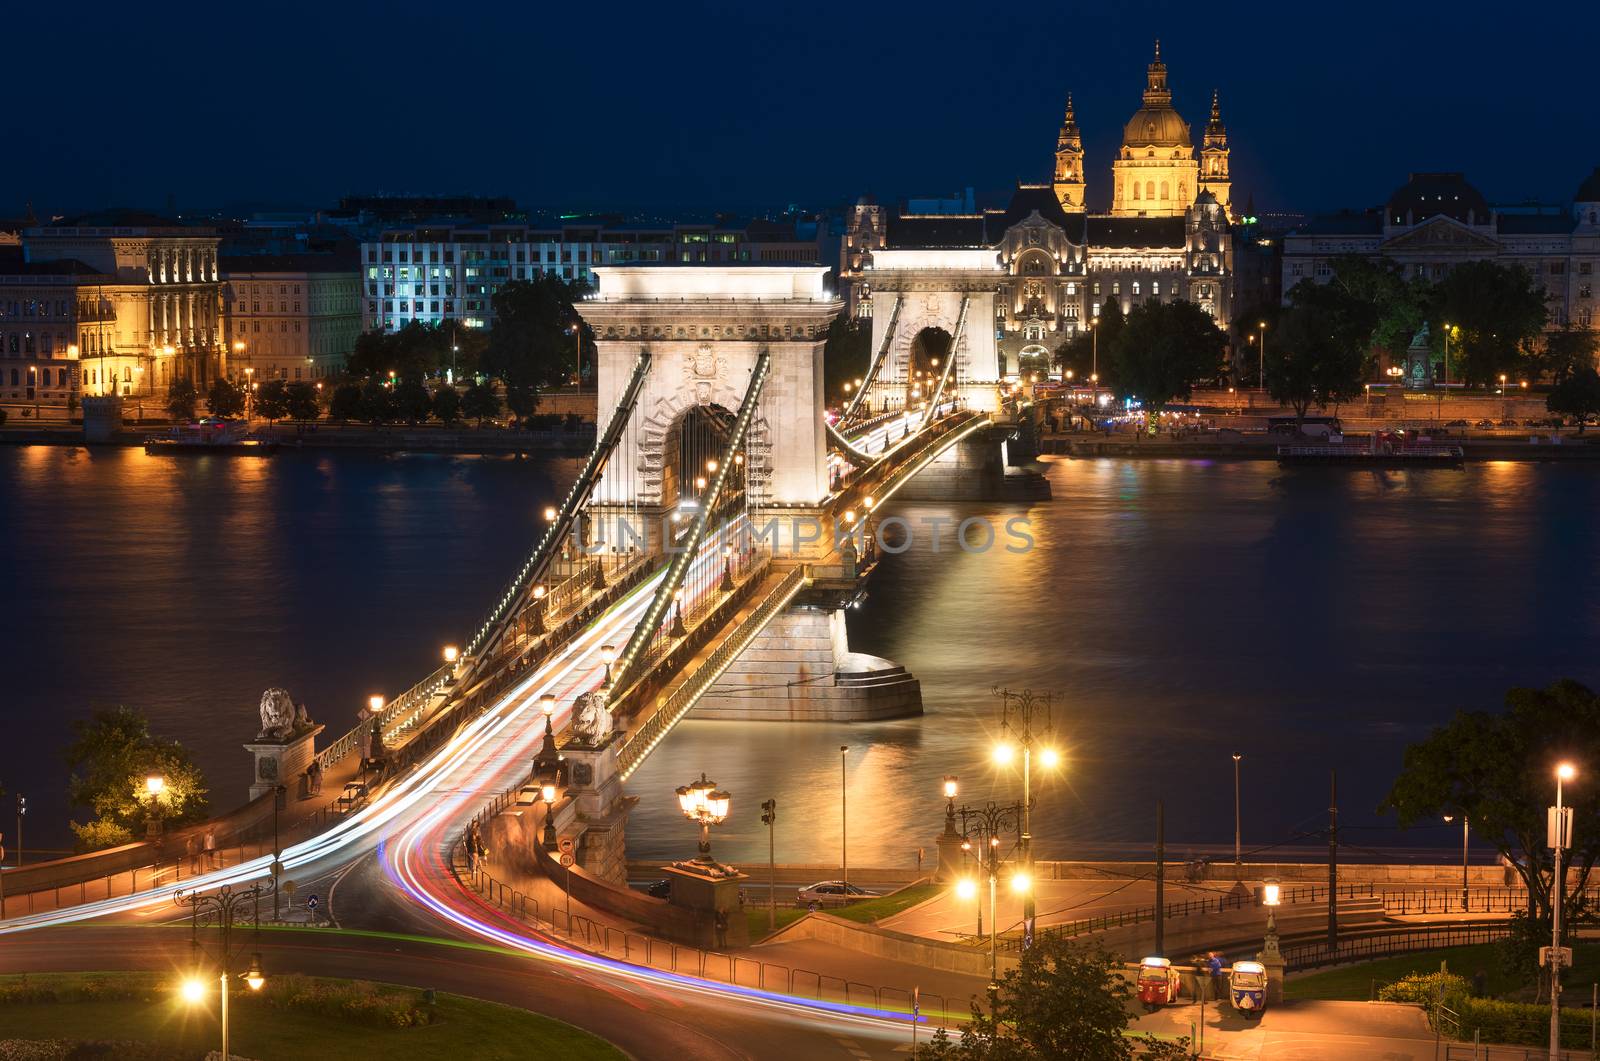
[1509, 423]
[1485, 425]
[832, 893]
[661, 889]
[1456, 423]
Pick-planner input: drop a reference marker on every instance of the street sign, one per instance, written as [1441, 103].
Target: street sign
[567, 859]
[1562, 956]
[1558, 835]
[311, 901]
[565, 844]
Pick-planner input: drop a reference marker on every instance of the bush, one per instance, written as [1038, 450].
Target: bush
[1521, 1023]
[1427, 989]
[356, 1000]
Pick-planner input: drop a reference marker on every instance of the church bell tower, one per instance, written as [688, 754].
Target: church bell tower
[1068, 182]
[1214, 159]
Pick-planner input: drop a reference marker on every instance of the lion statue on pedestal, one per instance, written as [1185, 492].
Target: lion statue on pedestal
[281, 717]
[591, 720]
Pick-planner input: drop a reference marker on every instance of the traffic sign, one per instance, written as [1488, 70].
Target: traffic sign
[1559, 956]
[566, 845]
[311, 901]
[567, 859]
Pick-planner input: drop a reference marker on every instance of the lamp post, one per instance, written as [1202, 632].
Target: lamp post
[22, 812]
[1448, 818]
[1505, 402]
[1238, 860]
[549, 770]
[989, 822]
[1271, 897]
[706, 805]
[608, 656]
[1017, 721]
[950, 788]
[1560, 836]
[1261, 369]
[577, 342]
[154, 785]
[844, 816]
[222, 909]
[1094, 361]
[1446, 355]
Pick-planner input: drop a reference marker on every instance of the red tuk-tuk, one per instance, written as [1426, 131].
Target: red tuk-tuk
[1158, 983]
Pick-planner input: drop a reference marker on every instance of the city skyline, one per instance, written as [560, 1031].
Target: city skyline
[1311, 133]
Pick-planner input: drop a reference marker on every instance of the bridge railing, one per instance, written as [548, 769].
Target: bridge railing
[409, 703]
[678, 702]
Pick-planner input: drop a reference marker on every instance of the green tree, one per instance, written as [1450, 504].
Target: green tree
[1161, 351]
[1499, 770]
[846, 354]
[1064, 1000]
[1495, 312]
[1567, 351]
[376, 405]
[532, 344]
[447, 404]
[416, 350]
[300, 401]
[1314, 358]
[1382, 309]
[412, 402]
[225, 397]
[480, 403]
[345, 403]
[1078, 351]
[111, 755]
[1577, 396]
[272, 400]
[181, 399]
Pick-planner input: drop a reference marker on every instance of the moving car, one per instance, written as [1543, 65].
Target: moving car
[832, 893]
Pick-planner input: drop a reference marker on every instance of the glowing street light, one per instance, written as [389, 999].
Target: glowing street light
[451, 653]
[1021, 882]
[704, 803]
[608, 656]
[375, 704]
[967, 888]
[192, 990]
[1004, 753]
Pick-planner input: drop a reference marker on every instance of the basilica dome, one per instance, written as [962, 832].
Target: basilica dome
[1156, 127]
[1156, 124]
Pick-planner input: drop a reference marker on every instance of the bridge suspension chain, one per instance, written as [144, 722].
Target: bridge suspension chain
[529, 578]
[871, 378]
[949, 361]
[730, 469]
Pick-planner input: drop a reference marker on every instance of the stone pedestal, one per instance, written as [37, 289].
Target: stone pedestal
[951, 857]
[281, 762]
[1271, 958]
[599, 808]
[102, 418]
[711, 895]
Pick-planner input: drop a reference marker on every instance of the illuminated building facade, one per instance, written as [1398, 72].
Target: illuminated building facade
[292, 316]
[1053, 263]
[451, 273]
[1436, 221]
[145, 307]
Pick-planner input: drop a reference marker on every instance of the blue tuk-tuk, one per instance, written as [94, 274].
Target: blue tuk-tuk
[1247, 982]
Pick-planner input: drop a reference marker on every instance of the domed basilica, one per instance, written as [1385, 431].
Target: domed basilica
[1044, 263]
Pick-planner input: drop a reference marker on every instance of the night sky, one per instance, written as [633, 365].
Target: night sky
[629, 105]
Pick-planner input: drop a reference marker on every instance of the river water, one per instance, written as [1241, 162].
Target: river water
[1309, 619]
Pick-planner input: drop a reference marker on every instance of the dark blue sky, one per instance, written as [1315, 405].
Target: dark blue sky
[754, 105]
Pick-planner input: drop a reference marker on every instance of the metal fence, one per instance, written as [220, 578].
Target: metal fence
[1310, 954]
[1223, 902]
[1465, 900]
[647, 952]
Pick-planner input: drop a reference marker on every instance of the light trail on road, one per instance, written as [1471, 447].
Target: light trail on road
[412, 823]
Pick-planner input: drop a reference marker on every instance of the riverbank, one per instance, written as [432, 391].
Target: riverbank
[322, 436]
[1519, 448]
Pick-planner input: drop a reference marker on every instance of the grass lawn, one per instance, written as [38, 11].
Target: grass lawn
[887, 905]
[866, 911]
[1355, 981]
[464, 1027]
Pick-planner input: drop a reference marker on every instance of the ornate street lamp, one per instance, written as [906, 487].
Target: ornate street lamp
[608, 656]
[678, 629]
[549, 770]
[154, 785]
[222, 908]
[704, 803]
[950, 804]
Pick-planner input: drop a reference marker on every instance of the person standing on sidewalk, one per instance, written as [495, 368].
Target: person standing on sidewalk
[191, 848]
[211, 848]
